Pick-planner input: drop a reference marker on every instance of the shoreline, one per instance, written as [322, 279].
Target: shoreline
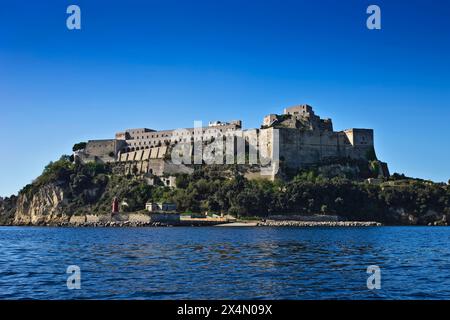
[289, 223]
[237, 224]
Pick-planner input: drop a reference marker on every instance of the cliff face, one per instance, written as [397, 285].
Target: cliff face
[67, 193]
[43, 207]
[7, 210]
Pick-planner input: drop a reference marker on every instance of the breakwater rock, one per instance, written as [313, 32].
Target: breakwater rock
[105, 224]
[293, 223]
[115, 224]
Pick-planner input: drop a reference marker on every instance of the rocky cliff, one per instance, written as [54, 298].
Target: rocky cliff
[7, 210]
[45, 206]
[73, 193]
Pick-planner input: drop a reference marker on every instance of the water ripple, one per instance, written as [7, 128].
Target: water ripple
[224, 263]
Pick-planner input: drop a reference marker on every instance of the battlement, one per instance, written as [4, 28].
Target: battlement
[303, 109]
[299, 117]
[359, 137]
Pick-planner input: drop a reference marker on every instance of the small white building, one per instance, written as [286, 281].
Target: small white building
[169, 181]
[161, 206]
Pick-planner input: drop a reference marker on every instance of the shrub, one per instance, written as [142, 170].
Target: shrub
[79, 146]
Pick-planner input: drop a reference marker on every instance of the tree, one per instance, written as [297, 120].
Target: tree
[79, 146]
[182, 181]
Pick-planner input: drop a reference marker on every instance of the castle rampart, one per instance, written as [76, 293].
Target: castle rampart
[303, 139]
[144, 138]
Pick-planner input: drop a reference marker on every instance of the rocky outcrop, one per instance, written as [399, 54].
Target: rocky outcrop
[43, 207]
[47, 206]
[7, 210]
[401, 216]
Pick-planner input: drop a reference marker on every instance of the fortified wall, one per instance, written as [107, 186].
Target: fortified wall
[299, 136]
[305, 138]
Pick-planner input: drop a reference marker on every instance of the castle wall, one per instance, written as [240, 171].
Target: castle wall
[150, 161]
[361, 142]
[100, 147]
[303, 147]
[269, 119]
[303, 139]
[298, 148]
[299, 110]
[101, 150]
[136, 139]
[360, 137]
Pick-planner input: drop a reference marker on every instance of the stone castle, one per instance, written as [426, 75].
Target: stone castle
[303, 139]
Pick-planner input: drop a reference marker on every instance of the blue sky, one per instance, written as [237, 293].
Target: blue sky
[163, 64]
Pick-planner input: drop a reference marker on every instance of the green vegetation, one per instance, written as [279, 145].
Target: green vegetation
[331, 190]
[79, 146]
[83, 184]
[311, 193]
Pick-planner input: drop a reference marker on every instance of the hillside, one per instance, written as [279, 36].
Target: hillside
[66, 189]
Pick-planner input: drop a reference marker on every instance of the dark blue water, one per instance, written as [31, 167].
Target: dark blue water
[225, 263]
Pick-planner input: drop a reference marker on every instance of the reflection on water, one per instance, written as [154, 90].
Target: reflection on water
[224, 263]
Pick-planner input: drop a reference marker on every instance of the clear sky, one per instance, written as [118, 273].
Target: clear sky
[163, 64]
